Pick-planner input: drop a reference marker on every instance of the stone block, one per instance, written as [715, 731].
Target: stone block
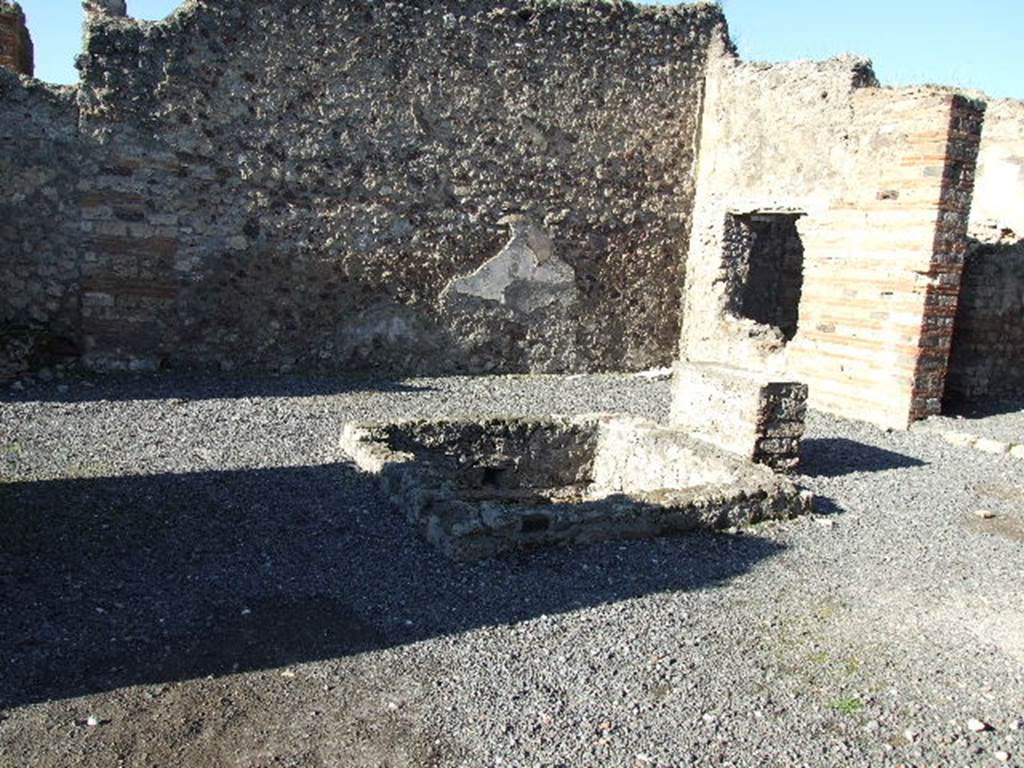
[745, 413]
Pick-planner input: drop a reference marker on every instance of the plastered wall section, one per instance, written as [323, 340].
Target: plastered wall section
[997, 212]
[883, 178]
[347, 186]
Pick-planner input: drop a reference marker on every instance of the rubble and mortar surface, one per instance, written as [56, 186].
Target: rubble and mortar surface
[344, 185]
[481, 488]
[988, 342]
[194, 564]
[39, 227]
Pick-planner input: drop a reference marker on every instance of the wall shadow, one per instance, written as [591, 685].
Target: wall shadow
[112, 582]
[837, 456]
[982, 408]
[199, 386]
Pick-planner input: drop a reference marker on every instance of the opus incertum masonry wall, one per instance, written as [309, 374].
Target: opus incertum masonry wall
[16, 50]
[284, 185]
[442, 186]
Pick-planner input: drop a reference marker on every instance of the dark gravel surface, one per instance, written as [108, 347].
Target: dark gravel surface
[1002, 421]
[193, 564]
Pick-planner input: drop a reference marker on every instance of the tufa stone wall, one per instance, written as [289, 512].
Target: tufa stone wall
[878, 183]
[430, 186]
[988, 343]
[16, 51]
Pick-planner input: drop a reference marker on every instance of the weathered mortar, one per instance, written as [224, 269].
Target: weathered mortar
[285, 184]
[997, 209]
[739, 411]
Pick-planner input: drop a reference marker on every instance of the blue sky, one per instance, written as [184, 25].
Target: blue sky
[971, 45]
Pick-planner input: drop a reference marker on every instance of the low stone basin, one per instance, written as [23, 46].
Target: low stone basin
[481, 488]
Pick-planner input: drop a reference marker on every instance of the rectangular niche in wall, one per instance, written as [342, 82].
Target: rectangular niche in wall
[765, 260]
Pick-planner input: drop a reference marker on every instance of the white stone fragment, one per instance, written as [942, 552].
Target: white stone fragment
[987, 445]
[959, 439]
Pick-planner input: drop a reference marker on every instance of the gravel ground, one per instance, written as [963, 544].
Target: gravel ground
[194, 565]
[1000, 421]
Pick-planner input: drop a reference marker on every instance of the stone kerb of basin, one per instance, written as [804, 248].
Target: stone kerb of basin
[481, 488]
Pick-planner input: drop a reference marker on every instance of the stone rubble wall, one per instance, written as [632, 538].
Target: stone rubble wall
[987, 358]
[16, 50]
[988, 343]
[346, 185]
[882, 180]
[40, 235]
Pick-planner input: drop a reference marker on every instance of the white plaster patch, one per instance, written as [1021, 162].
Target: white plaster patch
[525, 275]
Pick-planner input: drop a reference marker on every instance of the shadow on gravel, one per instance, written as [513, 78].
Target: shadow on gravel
[981, 409]
[112, 582]
[166, 386]
[826, 506]
[835, 457]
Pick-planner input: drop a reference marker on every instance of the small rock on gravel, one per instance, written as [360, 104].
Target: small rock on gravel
[977, 726]
[960, 439]
[987, 445]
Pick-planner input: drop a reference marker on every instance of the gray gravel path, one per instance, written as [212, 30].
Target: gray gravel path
[194, 564]
[1000, 421]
